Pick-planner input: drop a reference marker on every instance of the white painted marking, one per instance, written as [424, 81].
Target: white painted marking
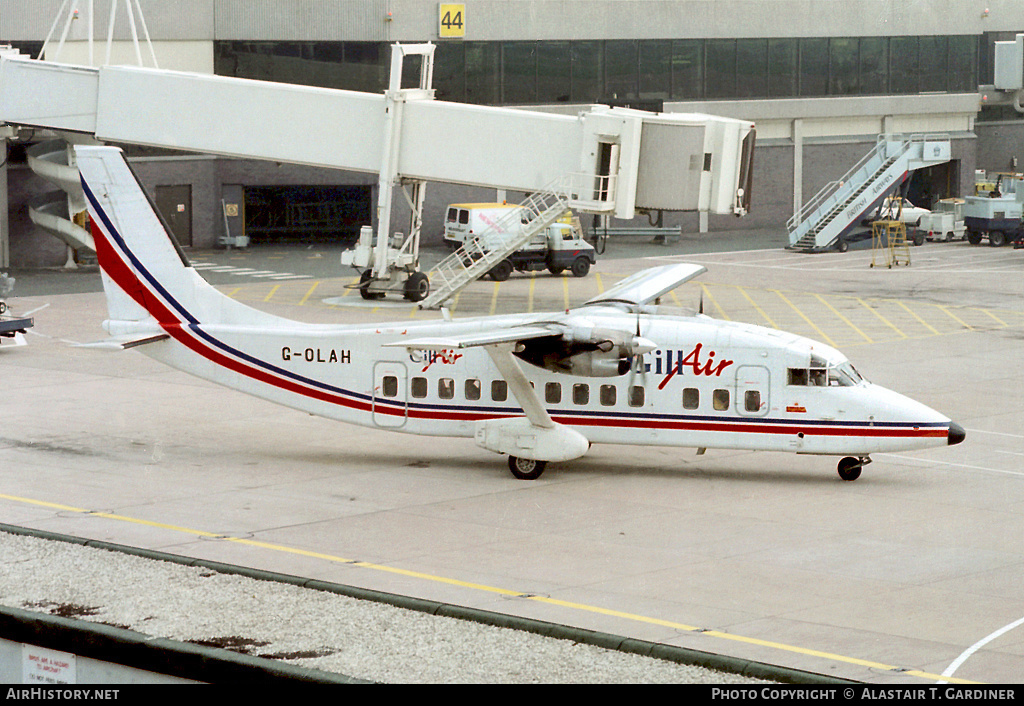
[956, 664]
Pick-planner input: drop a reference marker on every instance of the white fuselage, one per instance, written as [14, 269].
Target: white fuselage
[710, 384]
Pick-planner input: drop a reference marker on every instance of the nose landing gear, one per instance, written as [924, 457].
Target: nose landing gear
[849, 467]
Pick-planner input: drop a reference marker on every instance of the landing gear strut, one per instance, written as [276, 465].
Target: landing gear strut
[849, 467]
[526, 468]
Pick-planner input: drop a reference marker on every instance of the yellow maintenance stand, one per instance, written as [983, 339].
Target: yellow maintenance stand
[890, 237]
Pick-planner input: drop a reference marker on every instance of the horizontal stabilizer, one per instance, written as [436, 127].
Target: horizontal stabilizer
[123, 343]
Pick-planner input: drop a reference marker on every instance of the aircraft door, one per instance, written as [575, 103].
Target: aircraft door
[389, 394]
[752, 386]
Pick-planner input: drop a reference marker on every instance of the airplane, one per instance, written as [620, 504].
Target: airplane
[538, 387]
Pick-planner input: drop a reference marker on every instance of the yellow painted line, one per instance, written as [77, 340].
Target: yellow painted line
[914, 314]
[714, 302]
[565, 292]
[582, 607]
[884, 320]
[824, 335]
[233, 292]
[1000, 321]
[845, 320]
[494, 298]
[759, 309]
[309, 293]
[273, 291]
[529, 296]
[600, 283]
[954, 317]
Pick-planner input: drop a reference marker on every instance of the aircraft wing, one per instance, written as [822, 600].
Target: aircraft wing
[648, 285]
[481, 338]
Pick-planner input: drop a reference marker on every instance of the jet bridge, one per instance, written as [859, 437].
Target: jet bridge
[623, 161]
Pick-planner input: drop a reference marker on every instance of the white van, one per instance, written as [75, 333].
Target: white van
[464, 220]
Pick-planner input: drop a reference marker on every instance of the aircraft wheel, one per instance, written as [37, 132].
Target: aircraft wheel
[580, 267]
[526, 468]
[849, 468]
[417, 287]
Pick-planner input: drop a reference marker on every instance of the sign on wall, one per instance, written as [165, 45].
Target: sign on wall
[451, 20]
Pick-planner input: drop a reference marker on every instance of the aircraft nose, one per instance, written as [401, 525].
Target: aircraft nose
[956, 433]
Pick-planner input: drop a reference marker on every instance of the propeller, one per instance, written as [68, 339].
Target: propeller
[638, 347]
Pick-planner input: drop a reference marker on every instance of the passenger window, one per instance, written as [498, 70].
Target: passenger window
[418, 388]
[472, 389]
[752, 401]
[608, 394]
[390, 386]
[581, 394]
[720, 399]
[553, 392]
[499, 390]
[691, 398]
[636, 396]
[446, 388]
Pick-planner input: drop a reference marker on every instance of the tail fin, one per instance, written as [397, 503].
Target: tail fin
[146, 276]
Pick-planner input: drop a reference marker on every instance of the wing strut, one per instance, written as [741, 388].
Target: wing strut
[523, 391]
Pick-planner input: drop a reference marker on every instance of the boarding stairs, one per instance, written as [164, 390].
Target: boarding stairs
[840, 205]
[509, 233]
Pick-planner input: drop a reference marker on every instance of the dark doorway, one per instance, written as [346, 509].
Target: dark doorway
[930, 184]
[308, 214]
[175, 205]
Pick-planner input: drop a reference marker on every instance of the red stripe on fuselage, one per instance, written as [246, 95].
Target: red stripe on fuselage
[126, 278]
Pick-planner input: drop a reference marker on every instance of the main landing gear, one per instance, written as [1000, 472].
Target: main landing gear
[849, 467]
[526, 468]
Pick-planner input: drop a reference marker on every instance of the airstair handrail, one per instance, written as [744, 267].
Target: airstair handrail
[833, 186]
[477, 255]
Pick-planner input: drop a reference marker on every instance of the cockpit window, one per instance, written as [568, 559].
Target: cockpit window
[820, 375]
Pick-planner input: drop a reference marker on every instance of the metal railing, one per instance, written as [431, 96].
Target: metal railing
[479, 254]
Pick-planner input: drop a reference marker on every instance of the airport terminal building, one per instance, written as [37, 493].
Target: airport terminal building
[821, 81]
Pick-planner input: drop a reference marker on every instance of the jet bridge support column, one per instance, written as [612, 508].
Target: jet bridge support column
[386, 262]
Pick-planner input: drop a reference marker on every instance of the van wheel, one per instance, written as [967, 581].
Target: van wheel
[580, 267]
[502, 271]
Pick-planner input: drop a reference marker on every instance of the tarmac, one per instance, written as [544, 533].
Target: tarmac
[909, 575]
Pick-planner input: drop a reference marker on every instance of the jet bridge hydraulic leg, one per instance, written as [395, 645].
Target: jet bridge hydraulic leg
[392, 262]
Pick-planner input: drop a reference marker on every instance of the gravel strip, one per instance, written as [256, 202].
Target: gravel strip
[304, 627]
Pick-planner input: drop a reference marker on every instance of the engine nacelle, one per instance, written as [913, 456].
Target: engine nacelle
[599, 364]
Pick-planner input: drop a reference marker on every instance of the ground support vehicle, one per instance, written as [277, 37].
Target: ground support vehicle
[558, 248]
[996, 216]
[945, 222]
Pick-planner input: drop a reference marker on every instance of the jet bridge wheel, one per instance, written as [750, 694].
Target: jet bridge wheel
[850, 467]
[526, 468]
[417, 287]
